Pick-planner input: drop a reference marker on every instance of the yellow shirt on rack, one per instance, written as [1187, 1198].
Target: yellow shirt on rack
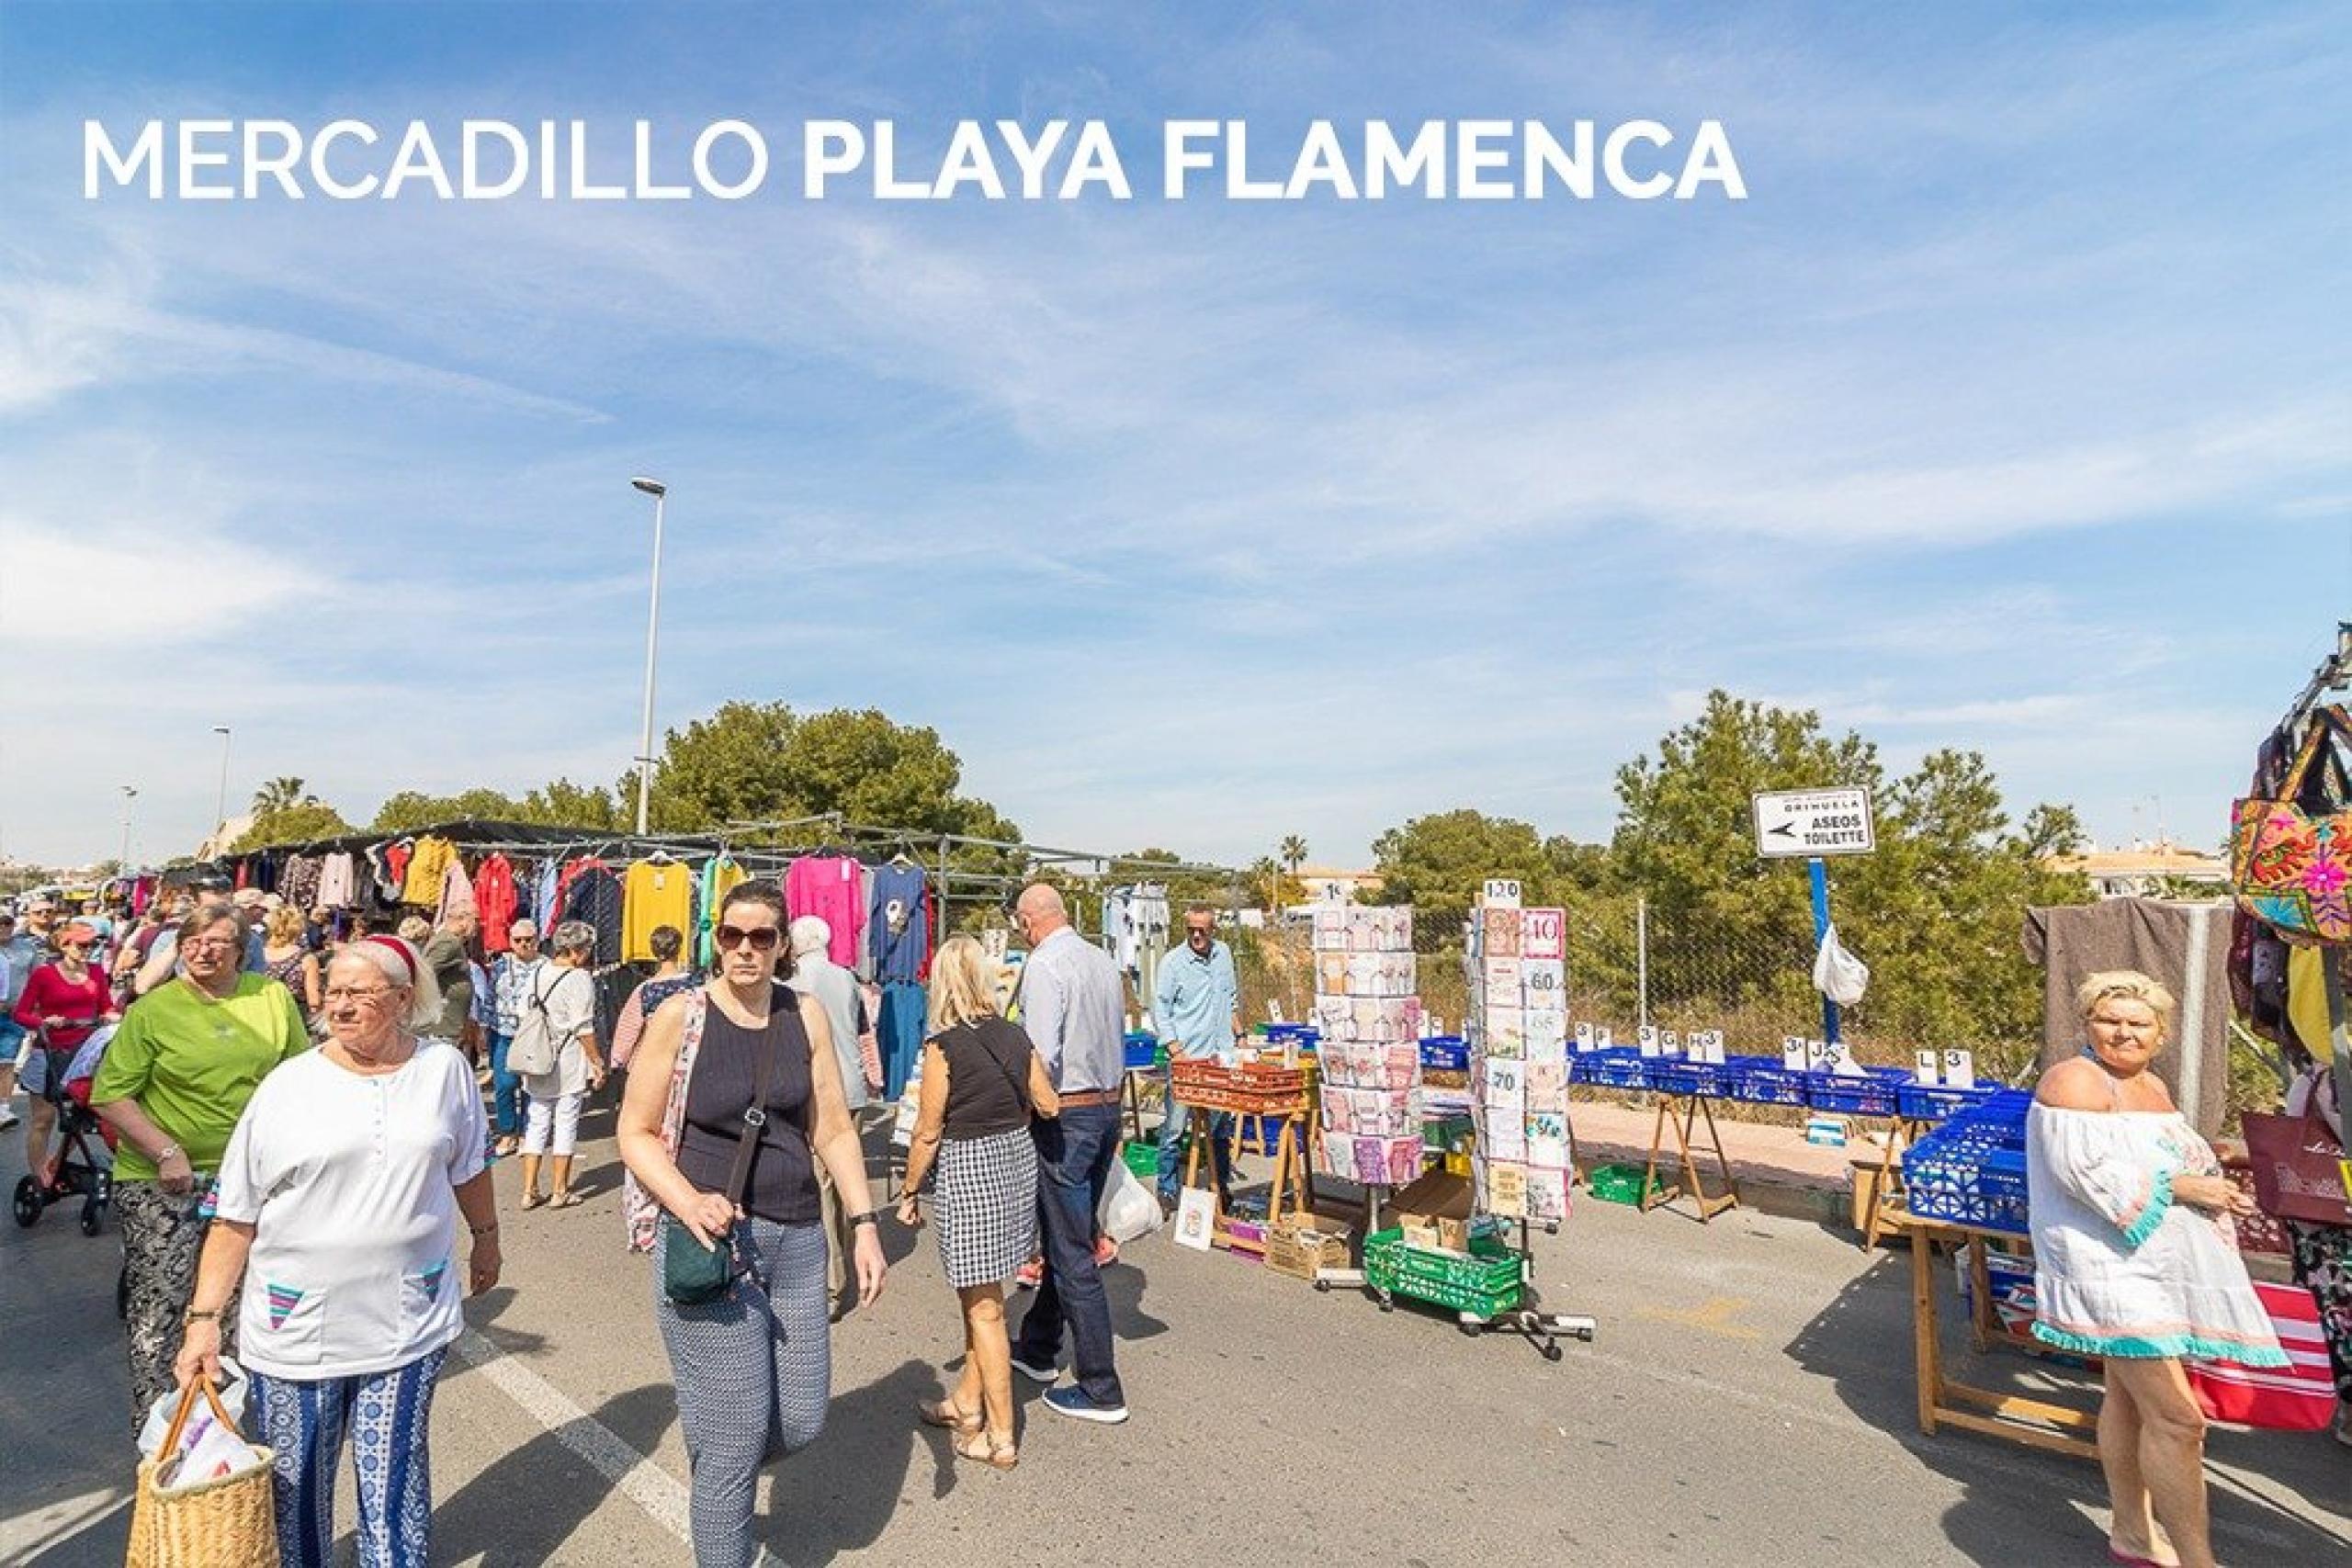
[719, 877]
[655, 892]
[428, 868]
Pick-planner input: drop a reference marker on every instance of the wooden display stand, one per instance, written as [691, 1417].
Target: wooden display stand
[1290, 1151]
[1902, 1132]
[2036, 1423]
[1680, 1112]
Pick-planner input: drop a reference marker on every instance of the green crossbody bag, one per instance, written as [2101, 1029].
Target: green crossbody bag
[695, 1275]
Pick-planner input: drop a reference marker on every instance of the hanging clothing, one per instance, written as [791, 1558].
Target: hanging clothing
[337, 881]
[720, 874]
[544, 888]
[829, 886]
[900, 1033]
[494, 901]
[428, 870]
[456, 892]
[390, 864]
[898, 931]
[594, 894]
[299, 884]
[656, 893]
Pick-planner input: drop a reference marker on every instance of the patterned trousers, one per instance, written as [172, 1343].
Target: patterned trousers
[385, 1414]
[754, 1371]
[161, 1235]
[2323, 1267]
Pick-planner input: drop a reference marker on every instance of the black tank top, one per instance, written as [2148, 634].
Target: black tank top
[783, 1185]
[987, 1077]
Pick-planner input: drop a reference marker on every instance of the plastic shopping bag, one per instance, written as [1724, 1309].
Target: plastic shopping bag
[230, 1394]
[1837, 973]
[207, 1501]
[1128, 1210]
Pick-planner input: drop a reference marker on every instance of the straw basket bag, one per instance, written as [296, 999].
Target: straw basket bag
[228, 1523]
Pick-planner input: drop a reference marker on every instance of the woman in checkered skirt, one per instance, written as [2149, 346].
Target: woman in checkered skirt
[981, 1084]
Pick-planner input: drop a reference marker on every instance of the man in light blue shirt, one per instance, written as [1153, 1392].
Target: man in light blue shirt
[1197, 1006]
[1073, 1007]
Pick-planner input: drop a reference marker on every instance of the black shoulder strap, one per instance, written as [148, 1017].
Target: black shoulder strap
[755, 1116]
[1019, 1087]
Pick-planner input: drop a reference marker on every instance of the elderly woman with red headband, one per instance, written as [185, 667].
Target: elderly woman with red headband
[187, 1056]
[342, 1194]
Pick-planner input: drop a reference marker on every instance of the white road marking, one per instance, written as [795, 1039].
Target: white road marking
[662, 1496]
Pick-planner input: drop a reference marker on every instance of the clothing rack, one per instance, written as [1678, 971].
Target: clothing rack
[2333, 675]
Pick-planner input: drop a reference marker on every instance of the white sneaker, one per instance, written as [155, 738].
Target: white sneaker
[8, 1118]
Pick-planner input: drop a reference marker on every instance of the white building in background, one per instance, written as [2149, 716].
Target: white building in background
[2145, 868]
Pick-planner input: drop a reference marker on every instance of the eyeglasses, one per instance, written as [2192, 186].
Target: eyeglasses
[763, 939]
[212, 944]
[357, 993]
[74, 947]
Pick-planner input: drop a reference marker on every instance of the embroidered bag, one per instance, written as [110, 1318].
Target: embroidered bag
[2290, 867]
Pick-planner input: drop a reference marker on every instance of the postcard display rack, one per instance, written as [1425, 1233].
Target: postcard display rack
[1517, 1030]
[1368, 1059]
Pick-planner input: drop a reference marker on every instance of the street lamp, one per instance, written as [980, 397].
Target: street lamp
[658, 492]
[129, 795]
[220, 801]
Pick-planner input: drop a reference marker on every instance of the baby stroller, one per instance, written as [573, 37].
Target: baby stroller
[82, 1165]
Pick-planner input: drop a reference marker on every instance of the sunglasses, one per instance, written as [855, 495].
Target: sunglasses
[761, 940]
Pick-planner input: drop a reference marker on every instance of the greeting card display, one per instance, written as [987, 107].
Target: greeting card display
[1370, 1020]
[1519, 1032]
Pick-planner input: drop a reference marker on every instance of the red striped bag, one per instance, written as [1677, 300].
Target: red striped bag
[2296, 1398]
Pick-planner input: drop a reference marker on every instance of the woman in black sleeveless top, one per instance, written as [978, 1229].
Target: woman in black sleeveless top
[753, 1368]
[981, 1084]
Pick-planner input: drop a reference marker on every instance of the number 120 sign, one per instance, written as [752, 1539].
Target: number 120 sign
[1542, 933]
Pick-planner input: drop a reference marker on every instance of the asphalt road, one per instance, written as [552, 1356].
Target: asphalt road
[1749, 1399]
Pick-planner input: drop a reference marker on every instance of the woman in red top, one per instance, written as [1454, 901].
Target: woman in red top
[63, 1003]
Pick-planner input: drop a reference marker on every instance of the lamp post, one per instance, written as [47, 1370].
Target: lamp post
[220, 801]
[660, 492]
[129, 795]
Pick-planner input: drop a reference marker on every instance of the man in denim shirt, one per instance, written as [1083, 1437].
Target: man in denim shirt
[1197, 1005]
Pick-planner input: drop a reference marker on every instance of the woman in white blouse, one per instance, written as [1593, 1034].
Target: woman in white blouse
[2135, 1262]
[340, 1193]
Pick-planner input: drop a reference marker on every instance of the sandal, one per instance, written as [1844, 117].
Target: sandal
[506, 1148]
[943, 1413]
[532, 1200]
[564, 1199]
[987, 1450]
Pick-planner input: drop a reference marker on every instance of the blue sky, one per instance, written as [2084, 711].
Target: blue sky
[2011, 411]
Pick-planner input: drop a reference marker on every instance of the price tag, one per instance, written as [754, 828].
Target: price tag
[1960, 1070]
[1926, 1065]
[1670, 1044]
[1715, 1046]
[1792, 1053]
[1647, 1038]
[1836, 1057]
[1544, 933]
[1601, 1037]
[1584, 1036]
[1816, 1055]
[1501, 893]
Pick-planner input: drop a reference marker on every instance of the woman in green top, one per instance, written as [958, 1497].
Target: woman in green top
[187, 1057]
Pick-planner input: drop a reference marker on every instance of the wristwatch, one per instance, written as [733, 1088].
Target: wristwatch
[166, 1152]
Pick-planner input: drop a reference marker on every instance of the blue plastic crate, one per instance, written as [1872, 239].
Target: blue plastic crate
[1672, 1075]
[1934, 1102]
[1872, 1094]
[1445, 1054]
[1142, 1049]
[1765, 1081]
[1966, 1185]
[1609, 1070]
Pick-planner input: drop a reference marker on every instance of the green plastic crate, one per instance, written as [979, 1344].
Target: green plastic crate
[1617, 1183]
[1487, 1283]
[1143, 1160]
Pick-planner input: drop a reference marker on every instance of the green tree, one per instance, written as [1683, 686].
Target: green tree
[761, 761]
[1439, 863]
[279, 794]
[562, 803]
[302, 822]
[411, 810]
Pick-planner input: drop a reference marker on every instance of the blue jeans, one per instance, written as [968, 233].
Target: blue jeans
[1074, 1155]
[505, 1090]
[1171, 1143]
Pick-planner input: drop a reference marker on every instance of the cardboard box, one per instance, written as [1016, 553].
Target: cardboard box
[1302, 1248]
[1434, 1212]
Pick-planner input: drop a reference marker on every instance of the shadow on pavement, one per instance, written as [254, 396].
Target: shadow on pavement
[1862, 1342]
[837, 1494]
[517, 1513]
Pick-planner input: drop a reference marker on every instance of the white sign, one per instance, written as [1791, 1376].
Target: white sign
[1801, 823]
[1501, 893]
[1792, 1053]
[1960, 1070]
[1647, 1037]
[1542, 934]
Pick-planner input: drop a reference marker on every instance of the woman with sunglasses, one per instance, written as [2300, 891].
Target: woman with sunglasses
[63, 1004]
[753, 1367]
[190, 1055]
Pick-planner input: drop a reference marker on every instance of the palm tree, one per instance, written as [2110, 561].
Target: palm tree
[279, 795]
[1267, 875]
[1294, 853]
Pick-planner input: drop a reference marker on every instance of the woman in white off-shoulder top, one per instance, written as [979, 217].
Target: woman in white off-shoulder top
[2135, 1262]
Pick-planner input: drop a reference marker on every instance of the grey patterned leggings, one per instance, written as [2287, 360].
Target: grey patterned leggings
[754, 1371]
[161, 1235]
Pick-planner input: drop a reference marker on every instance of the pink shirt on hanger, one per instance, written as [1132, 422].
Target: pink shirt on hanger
[833, 886]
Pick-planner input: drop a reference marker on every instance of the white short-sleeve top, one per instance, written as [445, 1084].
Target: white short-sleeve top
[349, 1182]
